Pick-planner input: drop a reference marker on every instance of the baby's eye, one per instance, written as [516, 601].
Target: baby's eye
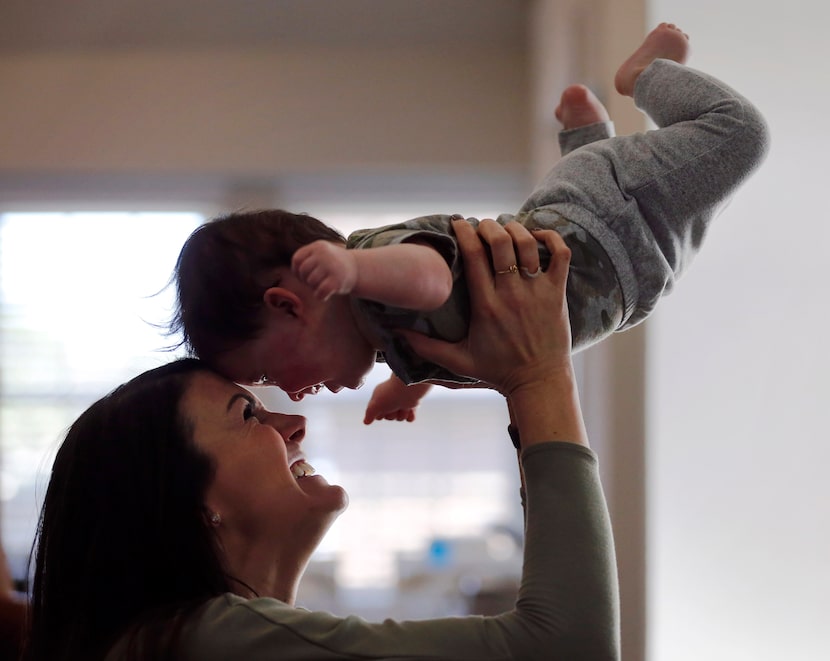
[262, 380]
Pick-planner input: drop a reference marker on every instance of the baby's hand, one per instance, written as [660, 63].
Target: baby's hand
[394, 400]
[326, 267]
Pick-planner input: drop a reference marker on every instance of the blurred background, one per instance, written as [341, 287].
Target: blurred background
[126, 124]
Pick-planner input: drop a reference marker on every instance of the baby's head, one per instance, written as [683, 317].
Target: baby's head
[225, 267]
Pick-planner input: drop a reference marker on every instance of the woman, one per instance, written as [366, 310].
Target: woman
[180, 514]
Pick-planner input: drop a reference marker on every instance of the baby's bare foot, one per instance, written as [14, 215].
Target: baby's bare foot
[579, 107]
[666, 41]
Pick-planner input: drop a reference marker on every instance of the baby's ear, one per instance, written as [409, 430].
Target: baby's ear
[283, 301]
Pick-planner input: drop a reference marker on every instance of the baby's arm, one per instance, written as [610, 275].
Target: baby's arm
[394, 400]
[407, 275]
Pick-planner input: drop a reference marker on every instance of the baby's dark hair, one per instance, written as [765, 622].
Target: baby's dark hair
[223, 270]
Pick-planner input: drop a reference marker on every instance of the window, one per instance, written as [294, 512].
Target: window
[77, 300]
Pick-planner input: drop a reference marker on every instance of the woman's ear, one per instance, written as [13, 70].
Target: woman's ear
[283, 301]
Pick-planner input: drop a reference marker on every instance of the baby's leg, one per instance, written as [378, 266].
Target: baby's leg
[649, 197]
[680, 176]
[584, 119]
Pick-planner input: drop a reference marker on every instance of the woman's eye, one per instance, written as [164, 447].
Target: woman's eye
[248, 411]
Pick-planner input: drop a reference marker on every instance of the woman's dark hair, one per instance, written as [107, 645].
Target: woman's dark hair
[123, 539]
[223, 270]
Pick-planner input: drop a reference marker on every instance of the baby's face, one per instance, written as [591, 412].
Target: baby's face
[299, 366]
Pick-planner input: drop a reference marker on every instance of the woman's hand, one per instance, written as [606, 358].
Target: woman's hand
[519, 329]
[519, 339]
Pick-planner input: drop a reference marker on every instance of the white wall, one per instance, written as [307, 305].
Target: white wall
[739, 401]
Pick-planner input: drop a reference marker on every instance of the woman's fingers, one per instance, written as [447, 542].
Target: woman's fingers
[502, 252]
[477, 269]
[552, 286]
[526, 248]
[515, 251]
[560, 254]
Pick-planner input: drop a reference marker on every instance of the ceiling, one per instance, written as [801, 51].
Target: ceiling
[50, 25]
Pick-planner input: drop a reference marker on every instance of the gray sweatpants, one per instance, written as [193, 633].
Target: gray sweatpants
[635, 209]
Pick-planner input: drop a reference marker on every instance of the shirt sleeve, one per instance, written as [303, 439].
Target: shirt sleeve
[449, 322]
[567, 605]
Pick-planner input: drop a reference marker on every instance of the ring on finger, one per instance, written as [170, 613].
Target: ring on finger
[513, 268]
[528, 274]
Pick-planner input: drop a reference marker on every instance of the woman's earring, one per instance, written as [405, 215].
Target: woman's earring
[215, 519]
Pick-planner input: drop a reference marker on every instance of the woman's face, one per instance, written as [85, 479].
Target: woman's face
[262, 487]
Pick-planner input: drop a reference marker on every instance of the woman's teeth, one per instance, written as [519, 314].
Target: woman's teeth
[302, 469]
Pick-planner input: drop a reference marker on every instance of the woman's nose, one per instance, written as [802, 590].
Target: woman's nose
[290, 427]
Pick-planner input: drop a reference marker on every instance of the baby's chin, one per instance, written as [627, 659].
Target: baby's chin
[348, 383]
[297, 395]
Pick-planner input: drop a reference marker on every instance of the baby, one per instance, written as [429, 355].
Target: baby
[271, 297]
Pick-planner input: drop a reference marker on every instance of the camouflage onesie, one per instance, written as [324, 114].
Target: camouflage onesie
[634, 211]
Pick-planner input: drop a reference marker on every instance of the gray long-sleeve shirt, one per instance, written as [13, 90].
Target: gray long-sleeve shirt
[567, 606]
